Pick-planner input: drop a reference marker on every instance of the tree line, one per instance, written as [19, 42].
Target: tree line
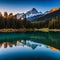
[11, 21]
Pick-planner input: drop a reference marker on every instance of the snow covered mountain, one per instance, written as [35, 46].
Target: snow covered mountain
[20, 15]
[30, 15]
[33, 14]
[46, 12]
[31, 11]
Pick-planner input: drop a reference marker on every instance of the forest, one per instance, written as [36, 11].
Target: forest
[11, 21]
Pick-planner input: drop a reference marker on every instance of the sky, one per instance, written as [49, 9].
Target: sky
[20, 6]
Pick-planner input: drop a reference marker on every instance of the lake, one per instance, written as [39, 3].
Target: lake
[30, 46]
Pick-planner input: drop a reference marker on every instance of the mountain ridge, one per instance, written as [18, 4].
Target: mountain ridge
[33, 14]
[49, 15]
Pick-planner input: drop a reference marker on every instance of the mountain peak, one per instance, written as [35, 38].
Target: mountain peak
[54, 9]
[33, 10]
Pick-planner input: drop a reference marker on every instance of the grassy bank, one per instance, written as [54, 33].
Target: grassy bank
[24, 30]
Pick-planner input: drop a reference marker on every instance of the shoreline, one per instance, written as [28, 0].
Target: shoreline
[29, 30]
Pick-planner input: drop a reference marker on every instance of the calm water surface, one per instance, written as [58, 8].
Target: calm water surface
[30, 46]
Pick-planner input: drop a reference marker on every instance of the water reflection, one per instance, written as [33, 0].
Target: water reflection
[26, 49]
[22, 43]
[50, 38]
[30, 45]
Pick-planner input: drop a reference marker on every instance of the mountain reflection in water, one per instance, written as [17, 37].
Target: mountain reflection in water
[30, 45]
[22, 43]
[50, 38]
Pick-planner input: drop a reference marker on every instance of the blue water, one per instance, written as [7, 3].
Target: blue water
[30, 46]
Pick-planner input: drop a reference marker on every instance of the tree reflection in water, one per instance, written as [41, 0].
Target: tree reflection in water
[23, 43]
[30, 39]
[28, 43]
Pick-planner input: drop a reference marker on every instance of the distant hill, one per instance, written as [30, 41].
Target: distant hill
[54, 9]
[50, 20]
[49, 15]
